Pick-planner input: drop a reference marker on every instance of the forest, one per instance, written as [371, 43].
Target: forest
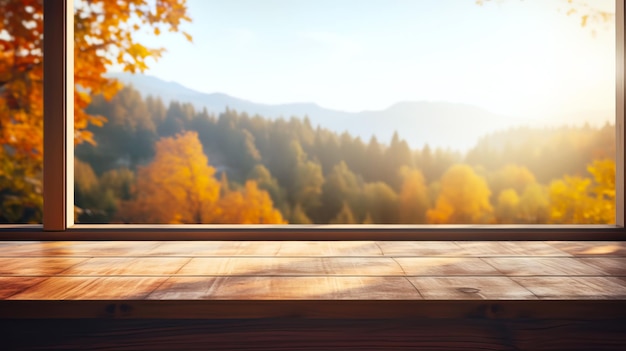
[152, 163]
[139, 160]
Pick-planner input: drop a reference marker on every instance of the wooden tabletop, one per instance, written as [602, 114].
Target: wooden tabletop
[337, 272]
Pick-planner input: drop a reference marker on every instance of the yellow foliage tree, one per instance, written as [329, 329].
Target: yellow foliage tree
[103, 35]
[249, 206]
[179, 186]
[534, 206]
[511, 177]
[463, 198]
[413, 197]
[507, 207]
[579, 200]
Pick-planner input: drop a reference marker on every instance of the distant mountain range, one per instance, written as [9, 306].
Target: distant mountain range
[438, 124]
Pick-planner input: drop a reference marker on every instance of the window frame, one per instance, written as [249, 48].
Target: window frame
[58, 192]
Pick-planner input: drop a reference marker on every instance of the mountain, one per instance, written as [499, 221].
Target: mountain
[438, 124]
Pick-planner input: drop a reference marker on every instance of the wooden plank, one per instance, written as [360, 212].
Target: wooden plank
[36, 265]
[609, 265]
[91, 288]
[287, 288]
[591, 248]
[574, 287]
[419, 248]
[82, 248]
[470, 288]
[10, 286]
[532, 248]
[508, 248]
[259, 266]
[328, 248]
[445, 266]
[119, 266]
[520, 266]
[217, 248]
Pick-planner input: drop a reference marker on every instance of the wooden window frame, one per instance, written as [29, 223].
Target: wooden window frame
[58, 214]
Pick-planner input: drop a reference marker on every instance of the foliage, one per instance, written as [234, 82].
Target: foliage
[413, 197]
[179, 187]
[583, 200]
[355, 185]
[100, 41]
[463, 198]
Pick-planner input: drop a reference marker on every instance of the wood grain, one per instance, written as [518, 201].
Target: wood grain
[470, 288]
[120, 266]
[10, 286]
[608, 265]
[445, 266]
[82, 248]
[216, 248]
[298, 266]
[329, 248]
[574, 287]
[504, 248]
[36, 265]
[591, 248]
[419, 248]
[519, 266]
[90, 288]
[286, 288]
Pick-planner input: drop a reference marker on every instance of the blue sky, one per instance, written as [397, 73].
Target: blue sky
[526, 59]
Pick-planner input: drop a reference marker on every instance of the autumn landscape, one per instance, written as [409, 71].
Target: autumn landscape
[353, 121]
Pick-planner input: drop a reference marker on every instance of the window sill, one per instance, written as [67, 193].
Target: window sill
[316, 232]
[312, 279]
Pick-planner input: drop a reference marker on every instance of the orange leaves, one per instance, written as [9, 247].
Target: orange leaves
[103, 34]
[179, 187]
[178, 182]
[463, 198]
[250, 206]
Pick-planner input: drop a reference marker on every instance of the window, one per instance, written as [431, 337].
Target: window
[59, 170]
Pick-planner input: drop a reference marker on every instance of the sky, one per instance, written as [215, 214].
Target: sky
[526, 59]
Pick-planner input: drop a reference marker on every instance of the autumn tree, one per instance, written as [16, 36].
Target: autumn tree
[249, 206]
[413, 198]
[463, 198]
[511, 176]
[104, 34]
[507, 204]
[534, 205]
[583, 200]
[177, 187]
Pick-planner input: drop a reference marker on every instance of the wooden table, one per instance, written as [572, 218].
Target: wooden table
[317, 295]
